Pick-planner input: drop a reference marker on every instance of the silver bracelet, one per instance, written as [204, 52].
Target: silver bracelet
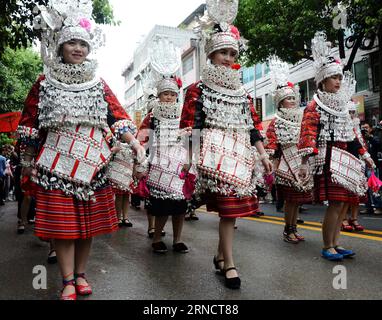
[264, 156]
[365, 156]
[133, 142]
[141, 167]
[27, 164]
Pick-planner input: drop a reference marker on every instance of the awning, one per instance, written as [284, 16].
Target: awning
[9, 121]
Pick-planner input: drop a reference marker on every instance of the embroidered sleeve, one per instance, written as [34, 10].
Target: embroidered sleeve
[271, 145]
[192, 108]
[117, 118]
[258, 127]
[309, 131]
[143, 135]
[362, 150]
[27, 131]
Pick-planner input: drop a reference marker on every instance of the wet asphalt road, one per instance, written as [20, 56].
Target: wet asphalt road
[122, 266]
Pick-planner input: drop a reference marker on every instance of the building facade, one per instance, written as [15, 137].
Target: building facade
[256, 79]
[139, 67]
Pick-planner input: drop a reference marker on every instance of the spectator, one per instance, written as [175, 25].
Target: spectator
[373, 138]
[3, 163]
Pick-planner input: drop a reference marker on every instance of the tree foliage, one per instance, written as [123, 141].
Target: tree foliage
[282, 27]
[16, 18]
[286, 27]
[18, 71]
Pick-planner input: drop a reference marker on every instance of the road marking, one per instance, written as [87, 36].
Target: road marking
[317, 224]
[276, 221]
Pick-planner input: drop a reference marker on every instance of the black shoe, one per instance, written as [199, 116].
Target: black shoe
[151, 232]
[159, 247]
[232, 283]
[193, 216]
[127, 223]
[52, 257]
[2, 203]
[300, 221]
[301, 209]
[216, 262]
[20, 227]
[180, 247]
[120, 222]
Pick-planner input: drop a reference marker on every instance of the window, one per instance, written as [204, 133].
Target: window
[304, 93]
[188, 64]
[267, 69]
[259, 71]
[361, 75]
[375, 70]
[130, 93]
[269, 106]
[248, 74]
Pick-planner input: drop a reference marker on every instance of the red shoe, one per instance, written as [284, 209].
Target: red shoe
[354, 223]
[288, 231]
[85, 289]
[72, 296]
[346, 227]
[297, 235]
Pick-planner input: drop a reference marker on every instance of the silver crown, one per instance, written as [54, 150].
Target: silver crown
[165, 61]
[281, 88]
[63, 20]
[223, 13]
[324, 63]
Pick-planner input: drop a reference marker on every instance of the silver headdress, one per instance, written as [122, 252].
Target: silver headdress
[165, 61]
[63, 20]
[324, 63]
[215, 28]
[281, 87]
[348, 88]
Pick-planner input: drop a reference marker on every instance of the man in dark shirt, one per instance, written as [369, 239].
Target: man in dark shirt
[373, 139]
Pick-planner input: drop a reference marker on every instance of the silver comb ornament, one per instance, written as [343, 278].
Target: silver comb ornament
[279, 72]
[223, 12]
[165, 58]
[320, 49]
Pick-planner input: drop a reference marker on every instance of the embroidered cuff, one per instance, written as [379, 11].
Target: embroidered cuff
[27, 132]
[28, 137]
[308, 151]
[123, 126]
[362, 151]
[365, 156]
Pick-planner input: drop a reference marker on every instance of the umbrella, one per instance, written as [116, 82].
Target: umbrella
[9, 121]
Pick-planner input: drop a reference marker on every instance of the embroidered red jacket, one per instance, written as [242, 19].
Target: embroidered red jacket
[308, 144]
[193, 115]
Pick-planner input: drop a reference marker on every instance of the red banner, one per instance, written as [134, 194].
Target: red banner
[9, 121]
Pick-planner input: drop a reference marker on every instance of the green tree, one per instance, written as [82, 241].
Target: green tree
[16, 21]
[286, 27]
[18, 71]
[5, 140]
